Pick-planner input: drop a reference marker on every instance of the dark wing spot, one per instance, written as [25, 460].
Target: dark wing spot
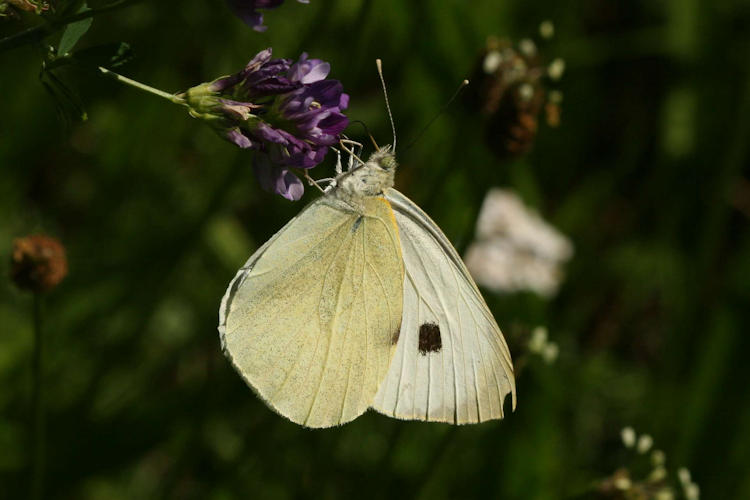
[356, 224]
[429, 338]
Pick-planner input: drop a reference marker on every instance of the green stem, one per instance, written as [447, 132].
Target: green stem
[38, 33]
[142, 86]
[37, 476]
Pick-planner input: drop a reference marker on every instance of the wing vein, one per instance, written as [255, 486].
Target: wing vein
[320, 326]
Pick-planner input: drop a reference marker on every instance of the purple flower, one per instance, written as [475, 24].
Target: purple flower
[247, 10]
[289, 113]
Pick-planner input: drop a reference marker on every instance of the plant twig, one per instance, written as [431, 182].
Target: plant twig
[141, 86]
[37, 474]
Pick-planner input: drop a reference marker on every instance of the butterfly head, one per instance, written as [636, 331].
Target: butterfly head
[370, 178]
[384, 159]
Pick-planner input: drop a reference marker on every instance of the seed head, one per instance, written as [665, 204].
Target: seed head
[38, 263]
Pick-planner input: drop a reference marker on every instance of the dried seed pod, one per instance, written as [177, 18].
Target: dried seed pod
[37, 6]
[38, 263]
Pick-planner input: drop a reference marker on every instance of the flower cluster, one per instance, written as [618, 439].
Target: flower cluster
[646, 476]
[247, 10]
[510, 88]
[288, 112]
[540, 344]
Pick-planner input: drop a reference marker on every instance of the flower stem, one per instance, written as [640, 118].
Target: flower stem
[142, 86]
[37, 475]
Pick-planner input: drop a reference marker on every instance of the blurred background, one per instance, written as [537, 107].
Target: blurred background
[647, 175]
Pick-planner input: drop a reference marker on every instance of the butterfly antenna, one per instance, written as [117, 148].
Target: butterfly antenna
[367, 131]
[439, 113]
[379, 64]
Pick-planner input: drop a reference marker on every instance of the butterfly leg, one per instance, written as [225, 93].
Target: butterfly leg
[338, 161]
[313, 182]
[352, 154]
[355, 152]
[331, 183]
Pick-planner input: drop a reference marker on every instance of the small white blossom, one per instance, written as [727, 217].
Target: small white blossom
[526, 91]
[692, 491]
[550, 352]
[547, 29]
[492, 61]
[658, 474]
[556, 69]
[665, 494]
[538, 339]
[527, 47]
[627, 434]
[645, 443]
[658, 458]
[623, 483]
[684, 475]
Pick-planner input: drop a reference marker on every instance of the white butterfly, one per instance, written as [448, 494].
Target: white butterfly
[361, 302]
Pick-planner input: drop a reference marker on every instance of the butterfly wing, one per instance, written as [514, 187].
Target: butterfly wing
[309, 321]
[451, 363]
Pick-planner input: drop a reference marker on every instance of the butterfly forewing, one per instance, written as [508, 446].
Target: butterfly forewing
[452, 363]
[309, 322]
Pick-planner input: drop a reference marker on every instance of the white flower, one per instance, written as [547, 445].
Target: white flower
[515, 249]
[665, 494]
[526, 91]
[547, 29]
[550, 353]
[658, 458]
[556, 69]
[692, 491]
[492, 61]
[658, 474]
[623, 483]
[527, 47]
[684, 475]
[538, 339]
[645, 442]
[628, 437]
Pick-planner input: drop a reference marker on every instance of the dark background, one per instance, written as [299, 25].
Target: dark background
[647, 175]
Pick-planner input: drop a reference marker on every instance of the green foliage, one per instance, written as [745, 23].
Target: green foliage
[645, 175]
[73, 32]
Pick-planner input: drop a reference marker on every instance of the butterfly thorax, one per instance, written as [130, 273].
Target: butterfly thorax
[370, 179]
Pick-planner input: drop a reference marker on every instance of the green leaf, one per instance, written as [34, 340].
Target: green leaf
[73, 33]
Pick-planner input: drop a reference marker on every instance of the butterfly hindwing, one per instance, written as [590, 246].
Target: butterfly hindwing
[309, 321]
[451, 363]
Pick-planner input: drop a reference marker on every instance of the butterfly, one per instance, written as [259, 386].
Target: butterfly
[360, 302]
